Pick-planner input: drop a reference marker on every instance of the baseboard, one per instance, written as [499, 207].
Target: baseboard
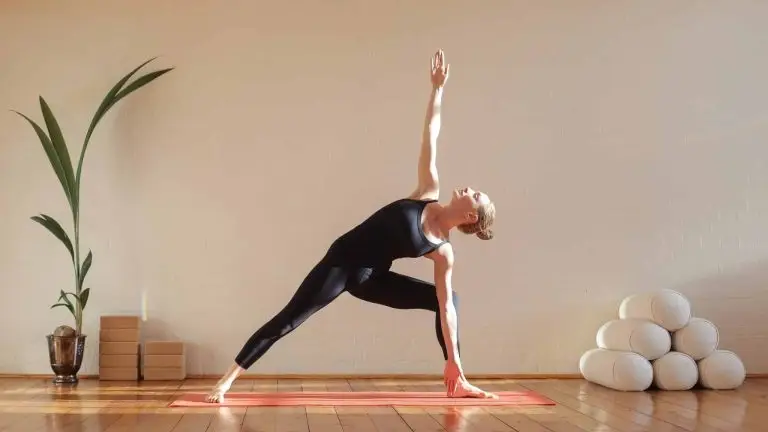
[43, 376]
[521, 376]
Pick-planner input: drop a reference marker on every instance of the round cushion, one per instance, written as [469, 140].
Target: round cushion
[667, 308]
[641, 336]
[698, 339]
[675, 371]
[617, 370]
[721, 370]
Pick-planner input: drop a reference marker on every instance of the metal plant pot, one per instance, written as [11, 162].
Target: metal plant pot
[66, 356]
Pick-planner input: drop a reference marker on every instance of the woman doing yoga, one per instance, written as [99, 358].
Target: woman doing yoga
[359, 261]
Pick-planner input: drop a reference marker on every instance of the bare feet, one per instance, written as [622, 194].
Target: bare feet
[217, 394]
[467, 390]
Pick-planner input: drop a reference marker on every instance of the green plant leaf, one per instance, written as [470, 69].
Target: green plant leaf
[56, 149]
[86, 266]
[84, 297]
[53, 156]
[130, 88]
[107, 101]
[140, 82]
[81, 299]
[106, 104]
[55, 228]
[60, 146]
[66, 305]
[63, 296]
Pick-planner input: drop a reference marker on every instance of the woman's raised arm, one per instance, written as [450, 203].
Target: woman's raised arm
[429, 184]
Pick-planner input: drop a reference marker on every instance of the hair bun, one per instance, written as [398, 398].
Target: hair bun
[485, 235]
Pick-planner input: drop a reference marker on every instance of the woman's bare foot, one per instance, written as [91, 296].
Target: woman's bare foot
[467, 390]
[225, 383]
[216, 395]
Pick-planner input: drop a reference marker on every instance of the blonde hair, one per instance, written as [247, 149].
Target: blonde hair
[485, 216]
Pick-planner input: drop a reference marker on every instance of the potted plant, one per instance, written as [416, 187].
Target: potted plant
[66, 344]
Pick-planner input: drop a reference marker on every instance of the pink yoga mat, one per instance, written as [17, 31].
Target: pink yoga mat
[363, 398]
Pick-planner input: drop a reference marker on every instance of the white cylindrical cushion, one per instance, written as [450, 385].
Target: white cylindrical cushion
[618, 370]
[667, 308]
[721, 370]
[644, 337]
[675, 371]
[698, 339]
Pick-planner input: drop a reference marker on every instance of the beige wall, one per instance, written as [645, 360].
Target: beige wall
[624, 144]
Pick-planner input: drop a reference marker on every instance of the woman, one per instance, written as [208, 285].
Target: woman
[359, 261]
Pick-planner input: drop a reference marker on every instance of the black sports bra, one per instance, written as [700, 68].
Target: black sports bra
[393, 231]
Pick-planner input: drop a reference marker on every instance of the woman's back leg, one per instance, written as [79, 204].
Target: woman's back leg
[399, 291]
[320, 287]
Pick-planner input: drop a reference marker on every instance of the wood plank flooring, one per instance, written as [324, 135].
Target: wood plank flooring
[37, 405]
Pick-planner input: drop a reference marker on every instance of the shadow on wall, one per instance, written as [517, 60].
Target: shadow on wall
[735, 301]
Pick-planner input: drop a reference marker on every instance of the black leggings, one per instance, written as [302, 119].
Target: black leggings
[324, 283]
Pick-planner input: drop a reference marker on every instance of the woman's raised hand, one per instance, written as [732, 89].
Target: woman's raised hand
[440, 69]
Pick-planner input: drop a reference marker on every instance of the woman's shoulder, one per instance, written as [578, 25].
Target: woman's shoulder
[442, 254]
[426, 196]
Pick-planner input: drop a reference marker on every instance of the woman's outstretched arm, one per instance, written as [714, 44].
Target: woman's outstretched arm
[453, 374]
[443, 268]
[429, 184]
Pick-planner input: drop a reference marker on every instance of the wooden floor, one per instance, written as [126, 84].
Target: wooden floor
[37, 405]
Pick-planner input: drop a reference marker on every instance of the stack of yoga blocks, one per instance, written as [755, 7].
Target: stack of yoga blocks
[658, 342]
[164, 361]
[119, 347]
[122, 356]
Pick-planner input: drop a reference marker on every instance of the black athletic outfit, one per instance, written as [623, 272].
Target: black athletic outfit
[359, 262]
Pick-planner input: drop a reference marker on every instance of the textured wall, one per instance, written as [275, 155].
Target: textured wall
[624, 144]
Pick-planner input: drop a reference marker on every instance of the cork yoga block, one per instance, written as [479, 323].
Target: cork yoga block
[112, 322]
[164, 348]
[118, 361]
[164, 374]
[112, 348]
[164, 360]
[119, 335]
[119, 347]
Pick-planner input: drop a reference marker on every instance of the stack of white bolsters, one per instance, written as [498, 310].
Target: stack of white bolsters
[656, 341]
